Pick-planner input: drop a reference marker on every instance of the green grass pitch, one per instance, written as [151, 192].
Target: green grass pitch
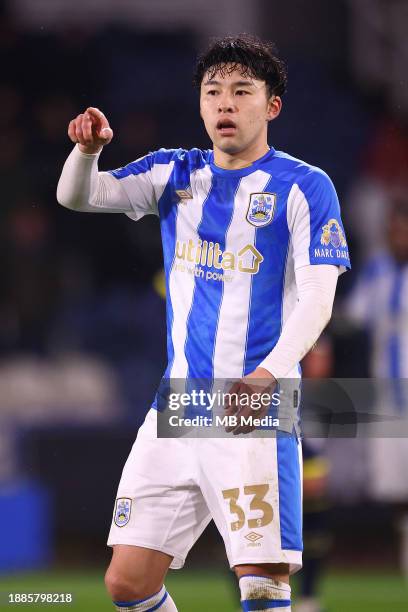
[195, 591]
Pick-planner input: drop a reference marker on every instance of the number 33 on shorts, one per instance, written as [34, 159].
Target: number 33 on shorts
[257, 503]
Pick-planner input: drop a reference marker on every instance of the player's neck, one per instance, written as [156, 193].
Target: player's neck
[239, 160]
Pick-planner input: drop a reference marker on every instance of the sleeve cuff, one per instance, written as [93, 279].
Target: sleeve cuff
[86, 155]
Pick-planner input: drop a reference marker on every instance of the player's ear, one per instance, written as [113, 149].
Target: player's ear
[274, 107]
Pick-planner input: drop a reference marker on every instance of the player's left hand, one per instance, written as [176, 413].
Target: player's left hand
[260, 381]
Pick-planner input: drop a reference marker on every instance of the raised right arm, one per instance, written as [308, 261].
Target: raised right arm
[81, 187]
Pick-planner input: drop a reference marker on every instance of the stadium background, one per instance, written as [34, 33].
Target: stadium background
[82, 324]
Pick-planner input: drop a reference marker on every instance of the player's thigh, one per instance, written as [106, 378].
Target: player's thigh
[159, 504]
[255, 499]
[136, 572]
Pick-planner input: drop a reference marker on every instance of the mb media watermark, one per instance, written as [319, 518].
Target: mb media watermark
[220, 408]
[223, 421]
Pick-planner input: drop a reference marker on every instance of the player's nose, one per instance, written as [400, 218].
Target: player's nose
[226, 104]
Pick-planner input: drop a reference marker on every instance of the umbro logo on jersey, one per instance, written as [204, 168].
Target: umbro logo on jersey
[184, 195]
[261, 209]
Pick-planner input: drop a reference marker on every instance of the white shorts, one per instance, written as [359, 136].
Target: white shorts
[252, 488]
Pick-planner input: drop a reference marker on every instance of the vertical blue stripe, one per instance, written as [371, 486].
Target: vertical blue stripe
[203, 319]
[168, 223]
[168, 210]
[265, 309]
[290, 497]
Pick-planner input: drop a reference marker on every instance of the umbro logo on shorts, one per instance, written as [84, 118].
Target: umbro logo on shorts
[252, 536]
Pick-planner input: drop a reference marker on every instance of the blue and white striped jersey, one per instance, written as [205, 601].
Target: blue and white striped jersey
[232, 240]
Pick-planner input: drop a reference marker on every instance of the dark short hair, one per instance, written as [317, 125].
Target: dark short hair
[249, 54]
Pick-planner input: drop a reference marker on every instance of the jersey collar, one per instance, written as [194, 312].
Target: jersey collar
[241, 171]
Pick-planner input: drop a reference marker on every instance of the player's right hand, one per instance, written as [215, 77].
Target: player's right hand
[91, 130]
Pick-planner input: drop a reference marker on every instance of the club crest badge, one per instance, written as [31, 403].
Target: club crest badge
[261, 209]
[333, 234]
[123, 508]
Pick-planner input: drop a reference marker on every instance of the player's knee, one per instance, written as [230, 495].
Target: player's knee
[120, 588]
[115, 585]
[126, 588]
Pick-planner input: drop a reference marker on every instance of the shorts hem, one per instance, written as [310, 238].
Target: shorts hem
[294, 565]
[178, 560]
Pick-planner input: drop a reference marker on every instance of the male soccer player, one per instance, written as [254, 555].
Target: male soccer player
[253, 244]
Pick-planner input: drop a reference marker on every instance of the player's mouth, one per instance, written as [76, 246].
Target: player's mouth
[226, 127]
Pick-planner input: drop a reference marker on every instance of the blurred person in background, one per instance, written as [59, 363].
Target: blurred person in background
[379, 302]
[241, 187]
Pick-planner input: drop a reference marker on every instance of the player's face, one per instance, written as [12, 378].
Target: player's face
[236, 110]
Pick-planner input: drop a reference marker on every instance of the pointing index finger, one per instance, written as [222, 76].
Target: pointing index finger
[98, 115]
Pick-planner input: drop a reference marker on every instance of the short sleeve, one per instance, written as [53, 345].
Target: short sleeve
[145, 180]
[136, 180]
[314, 220]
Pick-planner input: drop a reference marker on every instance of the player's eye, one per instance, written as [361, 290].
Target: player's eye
[212, 92]
[241, 92]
